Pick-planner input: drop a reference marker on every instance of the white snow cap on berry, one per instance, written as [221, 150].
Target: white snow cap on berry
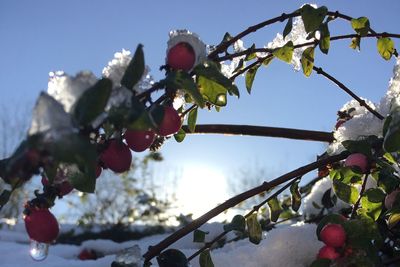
[68, 89]
[185, 36]
[116, 68]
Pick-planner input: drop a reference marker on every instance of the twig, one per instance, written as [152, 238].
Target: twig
[348, 91]
[155, 250]
[261, 131]
[364, 184]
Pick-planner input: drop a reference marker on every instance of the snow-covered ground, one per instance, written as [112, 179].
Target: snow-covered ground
[287, 245]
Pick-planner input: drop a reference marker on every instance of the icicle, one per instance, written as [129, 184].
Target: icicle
[39, 251]
[131, 257]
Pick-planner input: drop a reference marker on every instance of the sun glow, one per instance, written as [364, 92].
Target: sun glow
[200, 189]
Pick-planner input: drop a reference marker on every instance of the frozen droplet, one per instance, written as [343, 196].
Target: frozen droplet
[130, 256]
[38, 251]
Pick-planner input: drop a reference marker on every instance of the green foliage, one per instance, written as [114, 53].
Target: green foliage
[238, 223]
[4, 197]
[92, 102]
[295, 196]
[135, 69]
[355, 43]
[345, 192]
[321, 263]
[199, 236]
[250, 75]
[180, 135]
[371, 202]
[275, 209]
[360, 146]
[288, 27]
[172, 258]
[205, 259]
[360, 25]
[182, 80]
[254, 229]
[385, 47]
[325, 39]
[312, 17]
[192, 118]
[284, 53]
[307, 61]
[213, 85]
[391, 142]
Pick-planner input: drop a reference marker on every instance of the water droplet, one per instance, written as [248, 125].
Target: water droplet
[39, 251]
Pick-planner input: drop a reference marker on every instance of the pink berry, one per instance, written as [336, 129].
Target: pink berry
[391, 198]
[333, 235]
[87, 254]
[327, 252]
[117, 157]
[41, 225]
[181, 57]
[139, 141]
[357, 160]
[171, 122]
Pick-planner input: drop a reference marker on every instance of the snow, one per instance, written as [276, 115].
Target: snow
[300, 239]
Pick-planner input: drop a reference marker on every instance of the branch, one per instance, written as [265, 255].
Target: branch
[315, 42]
[354, 211]
[155, 250]
[255, 208]
[348, 91]
[251, 130]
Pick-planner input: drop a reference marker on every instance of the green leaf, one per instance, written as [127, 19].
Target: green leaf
[192, 118]
[238, 223]
[361, 146]
[205, 259]
[348, 175]
[199, 236]
[296, 196]
[210, 71]
[254, 228]
[180, 135]
[312, 17]
[284, 53]
[4, 197]
[227, 37]
[252, 55]
[92, 102]
[327, 201]
[385, 47]
[325, 39]
[321, 263]
[75, 149]
[250, 75]
[172, 258]
[135, 69]
[393, 219]
[361, 25]
[288, 27]
[355, 43]
[275, 209]
[391, 142]
[371, 202]
[182, 80]
[307, 61]
[267, 61]
[387, 181]
[345, 192]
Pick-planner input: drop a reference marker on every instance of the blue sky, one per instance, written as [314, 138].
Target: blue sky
[37, 37]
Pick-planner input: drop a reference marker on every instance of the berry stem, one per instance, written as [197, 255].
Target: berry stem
[357, 204]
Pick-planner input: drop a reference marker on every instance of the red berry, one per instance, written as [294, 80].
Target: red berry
[87, 254]
[117, 157]
[41, 225]
[99, 170]
[333, 235]
[357, 160]
[171, 122]
[139, 141]
[327, 252]
[181, 57]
